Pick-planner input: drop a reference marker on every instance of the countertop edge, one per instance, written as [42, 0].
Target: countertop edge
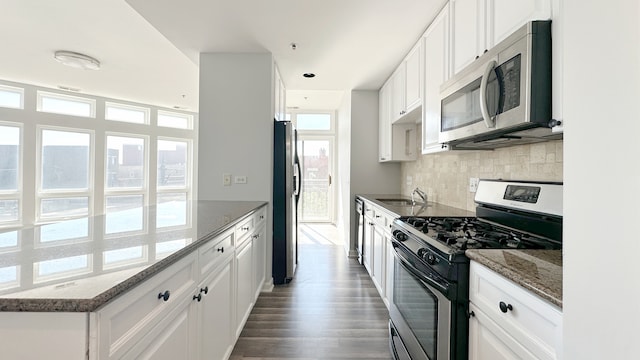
[102, 299]
[548, 293]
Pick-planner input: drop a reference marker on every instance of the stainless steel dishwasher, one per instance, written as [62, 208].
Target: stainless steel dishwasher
[359, 227]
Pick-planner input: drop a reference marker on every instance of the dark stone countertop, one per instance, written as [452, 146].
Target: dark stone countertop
[431, 208]
[80, 265]
[539, 271]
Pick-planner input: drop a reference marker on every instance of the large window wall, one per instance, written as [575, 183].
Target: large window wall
[70, 156]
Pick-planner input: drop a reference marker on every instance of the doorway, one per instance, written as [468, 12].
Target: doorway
[316, 155]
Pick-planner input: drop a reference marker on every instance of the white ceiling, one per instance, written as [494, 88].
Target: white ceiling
[349, 44]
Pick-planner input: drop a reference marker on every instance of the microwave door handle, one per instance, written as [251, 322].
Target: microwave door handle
[488, 119]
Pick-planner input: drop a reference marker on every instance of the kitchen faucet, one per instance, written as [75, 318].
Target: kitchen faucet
[420, 193]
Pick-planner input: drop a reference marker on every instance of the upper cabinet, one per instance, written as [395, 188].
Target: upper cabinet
[436, 71]
[279, 96]
[396, 142]
[407, 87]
[477, 25]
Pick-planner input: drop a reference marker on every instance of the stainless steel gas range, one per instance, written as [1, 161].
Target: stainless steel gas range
[430, 292]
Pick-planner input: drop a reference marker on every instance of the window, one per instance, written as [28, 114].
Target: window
[55, 164]
[175, 120]
[125, 162]
[172, 162]
[66, 104]
[10, 153]
[65, 160]
[126, 113]
[314, 122]
[11, 97]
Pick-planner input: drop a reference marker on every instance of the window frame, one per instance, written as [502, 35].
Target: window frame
[13, 89]
[58, 96]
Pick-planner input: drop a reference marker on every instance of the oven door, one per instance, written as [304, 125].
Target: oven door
[419, 311]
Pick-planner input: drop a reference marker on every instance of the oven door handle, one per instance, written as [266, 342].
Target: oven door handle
[412, 269]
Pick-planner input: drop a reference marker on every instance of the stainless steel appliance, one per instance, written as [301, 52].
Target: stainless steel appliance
[430, 289]
[359, 228]
[504, 97]
[286, 193]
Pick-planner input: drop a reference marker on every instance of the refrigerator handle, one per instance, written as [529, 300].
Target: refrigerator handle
[296, 179]
[329, 179]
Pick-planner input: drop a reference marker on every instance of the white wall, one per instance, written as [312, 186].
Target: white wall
[601, 238]
[345, 206]
[368, 176]
[236, 129]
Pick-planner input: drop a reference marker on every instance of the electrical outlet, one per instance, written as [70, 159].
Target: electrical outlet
[241, 179]
[473, 184]
[409, 180]
[226, 179]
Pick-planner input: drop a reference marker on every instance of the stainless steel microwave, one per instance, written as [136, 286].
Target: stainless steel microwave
[504, 97]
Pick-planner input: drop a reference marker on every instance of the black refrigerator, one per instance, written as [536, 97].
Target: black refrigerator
[286, 193]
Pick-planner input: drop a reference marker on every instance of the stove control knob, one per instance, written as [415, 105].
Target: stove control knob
[422, 252]
[400, 236]
[430, 258]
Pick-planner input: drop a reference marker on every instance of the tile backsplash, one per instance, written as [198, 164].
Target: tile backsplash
[445, 177]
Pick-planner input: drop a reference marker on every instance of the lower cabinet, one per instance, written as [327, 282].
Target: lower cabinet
[194, 309]
[215, 315]
[377, 251]
[244, 284]
[508, 322]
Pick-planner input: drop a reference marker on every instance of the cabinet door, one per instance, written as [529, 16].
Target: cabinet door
[436, 71]
[506, 16]
[174, 338]
[378, 260]
[413, 82]
[244, 285]
[398, 104]
[487, 341]
[384, 123]
[389, 272]
[367, 250]
[259, 254]
[468, 36]
[215, 322]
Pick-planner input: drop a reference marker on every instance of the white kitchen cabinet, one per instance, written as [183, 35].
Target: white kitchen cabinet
[215, 314]
[508, 322]
[398, 92]
[279, 96]
[478, 25]
[172, 339]
[436, 71]
[133, 323]
[377, 255]
[406, 92]
[259, 259]
[244, 284]
[379, 259]
[396, 142]
[367, 251]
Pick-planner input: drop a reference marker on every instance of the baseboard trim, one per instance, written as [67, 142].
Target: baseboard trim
[268, 285]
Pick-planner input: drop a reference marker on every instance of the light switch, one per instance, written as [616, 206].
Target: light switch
[226, 179]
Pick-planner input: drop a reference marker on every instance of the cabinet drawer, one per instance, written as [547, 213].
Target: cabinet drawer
[124, 322]
[215, 251]
[533, 322]
[244, 228]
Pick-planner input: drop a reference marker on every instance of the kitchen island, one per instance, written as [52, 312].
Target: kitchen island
[99, 287]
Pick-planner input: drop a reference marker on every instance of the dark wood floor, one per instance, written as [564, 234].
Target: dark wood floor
[331, 310]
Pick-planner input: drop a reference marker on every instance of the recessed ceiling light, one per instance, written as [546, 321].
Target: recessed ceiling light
[77, 60]
[309, 75]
